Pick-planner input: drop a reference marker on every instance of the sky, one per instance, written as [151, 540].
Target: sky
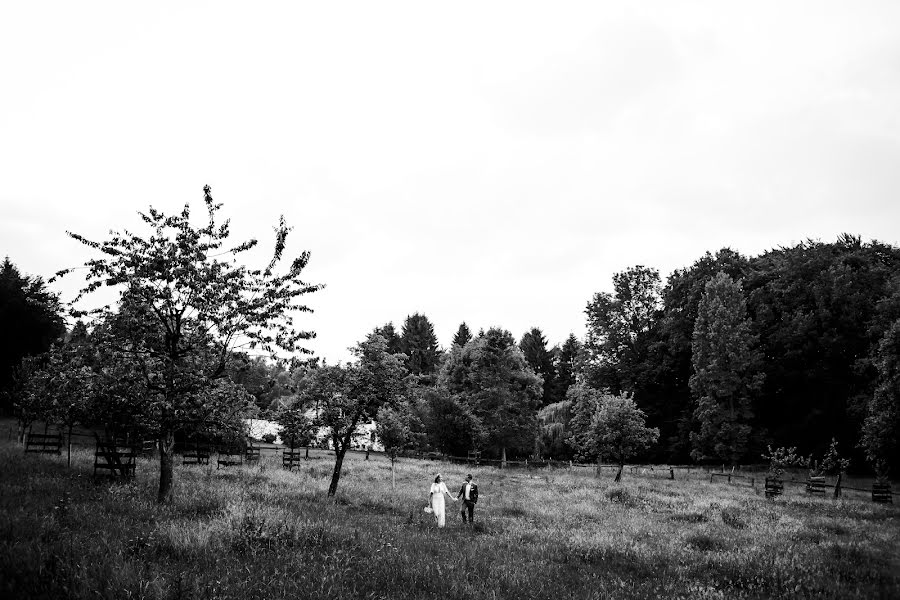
[487, 162]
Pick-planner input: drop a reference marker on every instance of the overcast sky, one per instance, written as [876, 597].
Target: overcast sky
[493, 163]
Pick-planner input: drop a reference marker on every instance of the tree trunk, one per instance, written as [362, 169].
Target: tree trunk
[393, 478]
[69, 449]
[336, 475]
[619, 473]
[307, 453]
[503, 457]
[166, 466]
[837, 487]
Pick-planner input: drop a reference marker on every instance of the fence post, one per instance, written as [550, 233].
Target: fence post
[671, 473]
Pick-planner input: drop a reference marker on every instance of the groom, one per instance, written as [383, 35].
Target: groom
[469, 494]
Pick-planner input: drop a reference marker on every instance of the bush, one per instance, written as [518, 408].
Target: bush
[269, 438]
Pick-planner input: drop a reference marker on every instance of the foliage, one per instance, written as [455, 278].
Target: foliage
[182, 312]
[554, 429]
[419, 343]
[832, 463]
[881, 428]
[584, 402]
[347, 396]
[619, 430]
[568, 366]
[491, 376]
[451, 426]
[539, 358]
[616, 327]
[783, 458]
[394, 344]
[463, 335]
[396, 429]
[30, 319]
[297, 429]
[725, 372]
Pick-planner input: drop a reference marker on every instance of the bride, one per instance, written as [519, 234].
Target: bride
[436, 500]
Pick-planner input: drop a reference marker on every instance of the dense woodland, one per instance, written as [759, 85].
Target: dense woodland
[796, 347]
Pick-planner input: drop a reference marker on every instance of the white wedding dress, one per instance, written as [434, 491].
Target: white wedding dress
[437, 502]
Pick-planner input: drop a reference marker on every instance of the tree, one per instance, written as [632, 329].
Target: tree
[463, 335]
[554, 428]
[726, 372]
[420, 345]
[297, 429]
[450, 424]
[395, 430]
[491, 376]
[30, 319]
[348, 396]
[584, 402]
[182, 312]
[534, 347]
[394, 343]
[881, 428]
[567, 366]
[619, 430]
[615, 324]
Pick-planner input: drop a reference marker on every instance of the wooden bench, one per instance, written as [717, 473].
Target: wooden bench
[148, 447]
[115, 459]
[195, 454]
[44, 443]
[290, 458]
[881, 493]
[816, 485]
[774, 487]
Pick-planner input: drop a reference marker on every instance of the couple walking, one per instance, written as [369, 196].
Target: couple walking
[468, 493]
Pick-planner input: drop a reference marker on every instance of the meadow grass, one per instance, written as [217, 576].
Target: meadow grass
[262, 532]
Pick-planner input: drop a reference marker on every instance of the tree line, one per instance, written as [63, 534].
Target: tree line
[796, 347]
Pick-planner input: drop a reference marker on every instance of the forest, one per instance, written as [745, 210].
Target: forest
[726, 358]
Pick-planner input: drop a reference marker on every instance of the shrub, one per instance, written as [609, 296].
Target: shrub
[269, 438]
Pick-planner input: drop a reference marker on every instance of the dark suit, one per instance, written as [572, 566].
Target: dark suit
[468, 505]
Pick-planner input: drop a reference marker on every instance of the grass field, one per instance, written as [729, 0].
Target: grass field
[262, 532]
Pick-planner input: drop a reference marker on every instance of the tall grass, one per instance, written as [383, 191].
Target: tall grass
[262, 532]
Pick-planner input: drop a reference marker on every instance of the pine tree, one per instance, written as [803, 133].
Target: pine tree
[726, 372]
[567, 366]
[420, 345]
[534, 347]
[388, 332]
[463, 335]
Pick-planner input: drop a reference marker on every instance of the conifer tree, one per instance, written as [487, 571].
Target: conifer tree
[567, 366]
[389, 334]
[539, 358]
[419, 343]
[726, 372]
[463, 335]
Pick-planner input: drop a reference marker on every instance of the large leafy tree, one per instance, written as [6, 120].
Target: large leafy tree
[450, 424]
[619, 430]
[186, 304]
[881, 427]
[616, 328]
[584, 402]
[31, 321]
[346, 396]
[726, 372]
[540, 359]
[419, 343]
[491, 375]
